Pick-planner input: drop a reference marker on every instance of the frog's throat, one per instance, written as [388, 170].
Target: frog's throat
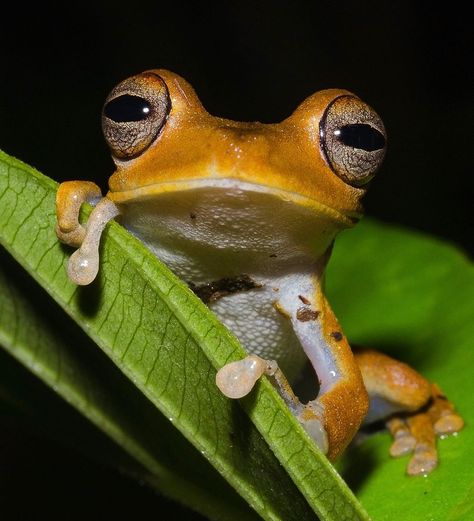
[149, 191]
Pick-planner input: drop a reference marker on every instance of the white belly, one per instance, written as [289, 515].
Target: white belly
[250, 315]
[261, 329]
[206, 235]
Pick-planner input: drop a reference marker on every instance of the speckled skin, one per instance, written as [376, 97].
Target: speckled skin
[215, 198]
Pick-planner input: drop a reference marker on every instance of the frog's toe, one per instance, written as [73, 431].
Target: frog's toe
[74, 237]
[445, 419]
[403, 440]
[424, 460]
[69, 199]
[402, 445]
[237, 379]
[416, 433]
[449, 423]
[311, 418]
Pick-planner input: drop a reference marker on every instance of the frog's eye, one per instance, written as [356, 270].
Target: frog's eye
[134, 114]
[353, 139]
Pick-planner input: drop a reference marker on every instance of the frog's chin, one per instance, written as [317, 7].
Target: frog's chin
[233, 189]
[232, 226]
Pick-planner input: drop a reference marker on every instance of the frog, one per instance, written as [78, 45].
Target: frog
[246, 213]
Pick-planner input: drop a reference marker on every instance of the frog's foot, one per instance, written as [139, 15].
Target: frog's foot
[84, 262]
[69, 199]
[417, 410]
[237, 379]
[416, 434]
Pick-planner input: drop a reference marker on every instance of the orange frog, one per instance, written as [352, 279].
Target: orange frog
[246, 214]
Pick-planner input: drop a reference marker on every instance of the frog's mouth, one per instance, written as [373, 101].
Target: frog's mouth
[234, 188]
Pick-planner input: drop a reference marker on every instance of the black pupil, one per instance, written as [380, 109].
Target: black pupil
[127, 108]
[360, 135]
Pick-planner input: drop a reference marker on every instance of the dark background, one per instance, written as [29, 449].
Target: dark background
[247, 61]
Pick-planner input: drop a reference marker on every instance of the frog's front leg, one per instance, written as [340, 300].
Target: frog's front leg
[84, 262]
[333, 418]
[69, 199]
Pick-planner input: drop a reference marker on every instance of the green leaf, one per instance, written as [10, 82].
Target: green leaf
[412, 296]
[169, 345]
[68, 361]
[408, 294]
[28, 403]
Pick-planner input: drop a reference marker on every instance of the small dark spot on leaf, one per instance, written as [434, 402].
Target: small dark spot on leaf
[337, 335]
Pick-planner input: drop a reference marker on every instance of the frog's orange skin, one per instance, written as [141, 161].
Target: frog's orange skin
[216, 198]
[69, 199]
[196, 145]
[395, 381]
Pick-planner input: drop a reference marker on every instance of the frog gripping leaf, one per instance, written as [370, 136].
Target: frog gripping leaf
[246, 214]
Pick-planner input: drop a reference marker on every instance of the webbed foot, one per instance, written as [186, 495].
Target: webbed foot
[416, 434]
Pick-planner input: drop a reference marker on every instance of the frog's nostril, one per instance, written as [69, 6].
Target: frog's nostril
[242, 142]
[249, 132]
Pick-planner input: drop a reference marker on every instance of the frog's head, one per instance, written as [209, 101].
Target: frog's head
[320, 159]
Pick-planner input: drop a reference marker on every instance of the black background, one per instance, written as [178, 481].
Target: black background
[247, 61]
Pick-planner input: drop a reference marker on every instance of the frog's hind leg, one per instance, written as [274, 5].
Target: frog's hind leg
[417, 411]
